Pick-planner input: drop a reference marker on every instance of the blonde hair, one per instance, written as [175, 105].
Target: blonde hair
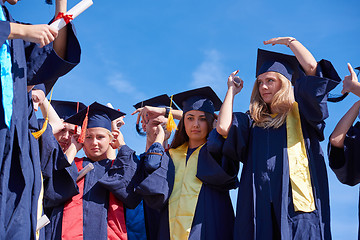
[281, 104]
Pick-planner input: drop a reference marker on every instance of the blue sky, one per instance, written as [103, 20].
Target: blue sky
[134, 50]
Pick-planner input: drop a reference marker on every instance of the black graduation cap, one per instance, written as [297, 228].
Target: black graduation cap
[158, 101]
[96, 115]
[357, 68]
[202, 99]
[284, 64]
[49, 2]
[66, 109]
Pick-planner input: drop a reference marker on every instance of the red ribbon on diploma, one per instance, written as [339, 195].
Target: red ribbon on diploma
[67, 18]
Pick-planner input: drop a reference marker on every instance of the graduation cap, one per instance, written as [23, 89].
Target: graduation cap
[49, 2]
[268, 61]
[66, 109]
[202, 99]
[158, 101]
[95, 115]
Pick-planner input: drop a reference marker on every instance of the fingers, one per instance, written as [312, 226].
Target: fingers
[137, 111]
[351, 70]
[270, 41]
[47, 35]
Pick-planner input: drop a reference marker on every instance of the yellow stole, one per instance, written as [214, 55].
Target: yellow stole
[300, 179]
[184, 196]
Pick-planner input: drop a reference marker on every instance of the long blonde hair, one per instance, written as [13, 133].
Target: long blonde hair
[281, 104]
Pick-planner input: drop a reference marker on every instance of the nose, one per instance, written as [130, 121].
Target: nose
[66, 135]
[264, 86]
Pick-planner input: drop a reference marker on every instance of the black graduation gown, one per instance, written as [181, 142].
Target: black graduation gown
[16, 168]
[104, 178]
[264, 207]
[345, 161]
[214, 215]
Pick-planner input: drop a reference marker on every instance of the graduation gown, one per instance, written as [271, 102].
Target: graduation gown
[29, 67]
[214, 215]
[344, 162]
[48, 160]
[265, 208]
[95, 194]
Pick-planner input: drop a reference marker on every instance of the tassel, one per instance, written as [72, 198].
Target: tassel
[42, 130]
[83, 128]
[171, 125]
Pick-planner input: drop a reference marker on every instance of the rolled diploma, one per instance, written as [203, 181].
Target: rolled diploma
[42, 222]
[84, 171]
[75, 11]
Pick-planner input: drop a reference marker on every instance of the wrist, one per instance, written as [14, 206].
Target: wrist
[290, 41]
[167, 111]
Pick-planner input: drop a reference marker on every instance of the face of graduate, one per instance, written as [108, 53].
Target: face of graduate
[196, 126]
[37, 97]
[96, 144]
[151, 127]
[64, 136]
[269, 84]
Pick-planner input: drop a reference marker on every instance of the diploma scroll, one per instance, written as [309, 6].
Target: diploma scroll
[84, 171]
[42, 222]
[75, 11]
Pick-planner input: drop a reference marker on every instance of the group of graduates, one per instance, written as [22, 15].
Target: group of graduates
[178, 190]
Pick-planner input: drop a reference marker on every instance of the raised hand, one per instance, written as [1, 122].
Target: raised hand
[280, 40]
[148, 112]
[118, 139]
[74, 140]
[235, 83]
[350, 82]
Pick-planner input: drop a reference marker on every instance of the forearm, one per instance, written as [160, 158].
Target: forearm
[60, 43]
[356, 89]
[305, 58]
[338, 136]
[17, 31]
[71, 153]
[48, 111]
[225, 116]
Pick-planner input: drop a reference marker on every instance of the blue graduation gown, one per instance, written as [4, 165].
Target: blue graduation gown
[214, 215]
[17, 174]
[345, 161]
[106, 177]
[59, 177]
[264, 207]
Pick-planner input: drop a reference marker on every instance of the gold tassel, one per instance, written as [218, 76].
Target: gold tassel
[42, 130]
[171, 125]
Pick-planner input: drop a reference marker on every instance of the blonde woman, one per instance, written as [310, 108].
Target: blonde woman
[283, 192]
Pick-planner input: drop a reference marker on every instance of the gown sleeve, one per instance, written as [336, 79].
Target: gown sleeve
[224, 154]
[214, 170]
[311, 93]
[345, 162]
[44, 65]
[4, 31]
[59, 175]
[159, 176]
[123, 177]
